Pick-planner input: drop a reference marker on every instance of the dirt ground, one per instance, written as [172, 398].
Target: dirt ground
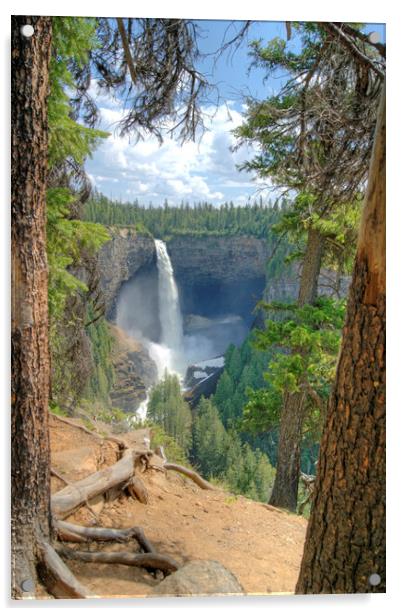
[262, 547]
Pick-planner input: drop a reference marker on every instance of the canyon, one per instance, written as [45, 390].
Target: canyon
[218, 281]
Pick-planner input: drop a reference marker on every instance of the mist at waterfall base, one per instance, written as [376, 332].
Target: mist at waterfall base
[148, 309]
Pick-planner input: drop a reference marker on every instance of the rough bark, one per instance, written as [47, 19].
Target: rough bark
[308, 288]
[285, 489]
[30, 479]
[346, 537]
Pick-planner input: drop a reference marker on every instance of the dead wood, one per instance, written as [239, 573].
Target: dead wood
[159, 451]
[69, 483]
[147, 560]
[57, 577]
[78, 534]
[56, 474]
[202, 483]
[72, 496]
[137, 490]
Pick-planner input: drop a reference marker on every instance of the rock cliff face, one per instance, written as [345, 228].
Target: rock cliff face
[286, 287]
[225, 259]
[215, 275]
[219, 275]
[135, 372]
[120, 259]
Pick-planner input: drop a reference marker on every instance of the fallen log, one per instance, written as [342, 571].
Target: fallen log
[202, 483]
[69, 483]
[74, 495]
[148, 560]
[78, 534]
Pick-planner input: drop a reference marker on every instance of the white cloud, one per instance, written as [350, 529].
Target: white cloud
[205, 170]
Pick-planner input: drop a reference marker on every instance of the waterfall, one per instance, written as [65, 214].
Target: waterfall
[169, 353]
[169, 309]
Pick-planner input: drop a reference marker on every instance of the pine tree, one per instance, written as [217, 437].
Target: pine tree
[168, 409]
[30, 370]
[210, 440]
[346, 537]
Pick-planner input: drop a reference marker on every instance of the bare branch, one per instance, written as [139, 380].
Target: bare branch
[335, 31]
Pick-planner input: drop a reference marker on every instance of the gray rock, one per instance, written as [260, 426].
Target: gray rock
[199, 577]
[126, 253]
[225, 259]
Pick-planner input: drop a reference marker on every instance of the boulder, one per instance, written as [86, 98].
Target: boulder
[199, 577]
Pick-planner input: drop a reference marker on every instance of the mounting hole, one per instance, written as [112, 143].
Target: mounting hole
[28, 586]
[374, 37]
[27, 30]
[374, 579]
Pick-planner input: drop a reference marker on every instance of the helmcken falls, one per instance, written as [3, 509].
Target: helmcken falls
[168, 353]
[169, 308]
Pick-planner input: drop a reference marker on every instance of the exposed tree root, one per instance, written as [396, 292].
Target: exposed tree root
[57, 577]
[77, 534]
[122, 445]
[70, 483]
[137, 490]
[148, 560]
[202, 483]
[55, 473]
[73, 496]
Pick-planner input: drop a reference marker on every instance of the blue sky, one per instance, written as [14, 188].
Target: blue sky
[203, 171]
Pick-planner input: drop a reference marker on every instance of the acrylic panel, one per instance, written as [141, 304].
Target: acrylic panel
[198, 307]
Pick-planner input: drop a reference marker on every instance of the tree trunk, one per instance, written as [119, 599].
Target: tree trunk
[308, 287]
[346, 540]
[30, 480]
[285, 489]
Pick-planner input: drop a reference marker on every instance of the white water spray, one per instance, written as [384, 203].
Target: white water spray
[168, 353]
[169, 308]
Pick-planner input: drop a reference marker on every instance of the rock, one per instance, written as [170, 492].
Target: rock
[286, 286]
[126, 253]
[227, 259]
[218, 275]
[199, 577]
[135, 372]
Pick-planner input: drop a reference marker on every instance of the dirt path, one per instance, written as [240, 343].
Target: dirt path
[262, 547]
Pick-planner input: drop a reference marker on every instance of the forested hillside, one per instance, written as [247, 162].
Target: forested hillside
[109, 316]
[163, 220]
